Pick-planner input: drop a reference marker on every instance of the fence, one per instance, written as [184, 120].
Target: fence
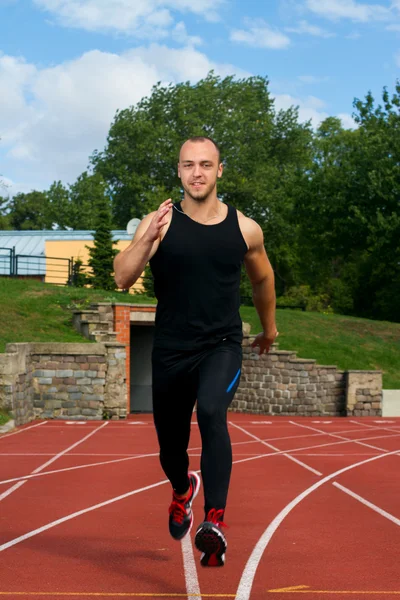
[49, 269]
[63, 271]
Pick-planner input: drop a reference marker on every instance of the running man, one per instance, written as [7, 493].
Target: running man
[196, 249]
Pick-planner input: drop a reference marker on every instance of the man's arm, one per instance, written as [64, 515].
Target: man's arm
[262, 279]
[130, 263]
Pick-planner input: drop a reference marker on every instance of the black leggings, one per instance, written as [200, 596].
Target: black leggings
[179, 379]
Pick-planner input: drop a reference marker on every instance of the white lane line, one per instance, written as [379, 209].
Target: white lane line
[335, 435]
[49, 462]
[277, 450]
[99, 464]
[380, 511]
[11, 490]
[34, 532]
[370, 427]
[253, 457]
[247, 579]
[7, 435]
[189, 568]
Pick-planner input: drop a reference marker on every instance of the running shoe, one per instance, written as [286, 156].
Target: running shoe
[180, 511]
[210, 540]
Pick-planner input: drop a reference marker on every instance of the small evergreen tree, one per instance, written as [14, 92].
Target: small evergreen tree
[102, 254]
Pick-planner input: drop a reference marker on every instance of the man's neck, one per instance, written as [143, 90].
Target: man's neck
[201, 209]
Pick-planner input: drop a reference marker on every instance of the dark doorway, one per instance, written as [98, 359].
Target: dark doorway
[141, 347]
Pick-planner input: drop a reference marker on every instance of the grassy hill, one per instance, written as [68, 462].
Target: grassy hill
[35, 312]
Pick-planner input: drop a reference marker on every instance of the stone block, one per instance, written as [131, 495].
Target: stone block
[63, 373]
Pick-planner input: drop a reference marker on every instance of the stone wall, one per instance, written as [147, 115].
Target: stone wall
[280, 383]
[71, 381]
[364, 393]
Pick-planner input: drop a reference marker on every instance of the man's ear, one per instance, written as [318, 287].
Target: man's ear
[220, 170]
[179, 171]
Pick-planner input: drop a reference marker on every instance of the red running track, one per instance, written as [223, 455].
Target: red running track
[313, 512]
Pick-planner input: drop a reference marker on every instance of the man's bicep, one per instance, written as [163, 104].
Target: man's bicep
[257, 264]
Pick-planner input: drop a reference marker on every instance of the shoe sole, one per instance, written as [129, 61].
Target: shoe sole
[212, 544]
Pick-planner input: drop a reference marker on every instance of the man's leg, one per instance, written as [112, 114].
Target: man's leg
[174, 396]
[219, 375]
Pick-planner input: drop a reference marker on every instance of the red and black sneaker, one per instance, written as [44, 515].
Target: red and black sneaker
[180, 511]
[210, 540]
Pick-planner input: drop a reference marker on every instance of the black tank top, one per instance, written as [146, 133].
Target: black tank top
[196, 272]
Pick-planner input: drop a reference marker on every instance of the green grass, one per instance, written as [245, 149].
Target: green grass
[36, 312]
[4, 417]
[347, 342]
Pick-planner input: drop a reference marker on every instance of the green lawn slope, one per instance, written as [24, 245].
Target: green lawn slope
[35, 312]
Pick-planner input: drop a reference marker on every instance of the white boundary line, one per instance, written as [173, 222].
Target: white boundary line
[253, 457]
[335, 435]
[34, 532]
[49, 462]
[189, 568]
[99, 464]
[277, 450]
[380, 511]
[249, 572]
[7, 435]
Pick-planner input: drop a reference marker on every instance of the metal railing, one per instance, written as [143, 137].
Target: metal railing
[7, 257]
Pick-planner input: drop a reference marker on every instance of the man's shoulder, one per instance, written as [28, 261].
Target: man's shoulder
[251, 231]
[247, 223]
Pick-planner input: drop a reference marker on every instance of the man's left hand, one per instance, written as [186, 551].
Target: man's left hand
[265, 340]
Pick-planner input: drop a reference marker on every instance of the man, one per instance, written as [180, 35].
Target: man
[196, 249]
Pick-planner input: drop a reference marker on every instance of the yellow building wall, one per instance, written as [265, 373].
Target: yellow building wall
[57, 270]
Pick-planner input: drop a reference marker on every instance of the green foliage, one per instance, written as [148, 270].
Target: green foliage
[102, 254]
[302, 296]
[4, 416]
[79, 277]
[263, 151]
[30, 211]
[148, 282]
[4, 216]
[60, 206]
[85, 195]
[349, 210]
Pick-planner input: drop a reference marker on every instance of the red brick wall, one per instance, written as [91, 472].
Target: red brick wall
[122, 325]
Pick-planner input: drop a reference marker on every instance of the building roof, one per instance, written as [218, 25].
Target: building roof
[32, 243]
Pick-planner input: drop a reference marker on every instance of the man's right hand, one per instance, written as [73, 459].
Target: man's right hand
[158, 221]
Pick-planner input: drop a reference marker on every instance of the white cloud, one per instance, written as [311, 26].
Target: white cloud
[353, 36]
[142, 18]
[349, 9]
[347, 121]
[310, 108]
[394, 27]
[307, 28]
[260, 35]
[397, 58]
[312, 79]
[179, 34]
[51, 119]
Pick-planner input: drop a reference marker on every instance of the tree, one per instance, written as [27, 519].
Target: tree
[86, 194]
[59, 205]
[264, 152]
[349, 210]
[30, 211]
[4, 216]
[102, 253]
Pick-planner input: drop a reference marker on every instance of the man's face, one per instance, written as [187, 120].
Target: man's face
[199, 168]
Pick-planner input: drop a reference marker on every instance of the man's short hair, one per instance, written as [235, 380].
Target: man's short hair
[204, 138]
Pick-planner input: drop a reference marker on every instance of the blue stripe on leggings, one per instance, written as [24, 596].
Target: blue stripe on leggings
[233, 381]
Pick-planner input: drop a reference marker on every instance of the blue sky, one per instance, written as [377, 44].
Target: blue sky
[66, 66]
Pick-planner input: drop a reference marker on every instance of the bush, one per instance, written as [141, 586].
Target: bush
[302, 296]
